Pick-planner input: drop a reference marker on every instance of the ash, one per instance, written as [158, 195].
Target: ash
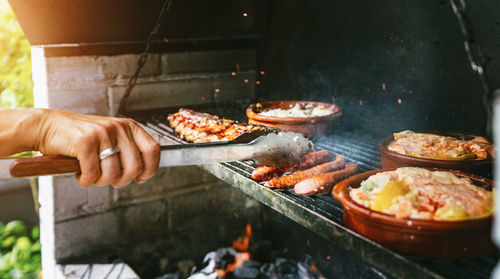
[216, 263]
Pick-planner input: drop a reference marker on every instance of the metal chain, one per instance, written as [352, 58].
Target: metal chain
[475, 56]
[143, 58]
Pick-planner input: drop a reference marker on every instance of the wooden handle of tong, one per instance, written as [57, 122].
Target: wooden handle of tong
[43, 165]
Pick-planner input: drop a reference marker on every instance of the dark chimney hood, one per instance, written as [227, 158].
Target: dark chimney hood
[51, 22]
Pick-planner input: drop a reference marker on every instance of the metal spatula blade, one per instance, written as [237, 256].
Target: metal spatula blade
[265, 147]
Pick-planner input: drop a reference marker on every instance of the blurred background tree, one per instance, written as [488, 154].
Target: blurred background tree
[16, 86]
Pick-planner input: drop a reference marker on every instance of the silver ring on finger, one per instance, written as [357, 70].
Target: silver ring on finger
[109, 152]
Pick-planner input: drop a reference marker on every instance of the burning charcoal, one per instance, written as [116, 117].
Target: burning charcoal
[208, 265]
[225, 256]
[213, 261]
[176, 275]
[268, 270]
[285, 266]
[204, 276]
[249, 270]
[251, 263]
[304, 268]
[307, 269]
[304, 271]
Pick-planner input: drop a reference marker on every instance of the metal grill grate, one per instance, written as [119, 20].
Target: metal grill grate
[360, 149]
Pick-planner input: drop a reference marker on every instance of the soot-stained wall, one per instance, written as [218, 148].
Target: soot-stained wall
[391, 65]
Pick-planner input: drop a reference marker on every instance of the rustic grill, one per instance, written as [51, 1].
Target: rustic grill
[391, 66]
[322, 214]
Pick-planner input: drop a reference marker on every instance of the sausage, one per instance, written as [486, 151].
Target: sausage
[288, 181]
[312, 159]
[263, 173]
[323, 182]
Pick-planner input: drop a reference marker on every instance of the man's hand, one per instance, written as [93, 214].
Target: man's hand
[86, 136]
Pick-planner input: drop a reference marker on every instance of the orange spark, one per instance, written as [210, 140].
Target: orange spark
[245, 80]
[262, 72]
[233, 73]
[400, 101]
[217, 90]
[245, 14]
[360, 102]
[383, 86]
[257, 82]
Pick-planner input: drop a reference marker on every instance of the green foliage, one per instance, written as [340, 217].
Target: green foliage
[16, 86]
[15, 228]
[20, 254]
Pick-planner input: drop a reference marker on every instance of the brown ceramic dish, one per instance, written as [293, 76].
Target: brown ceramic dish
[391, 159]
[309, 126]
[427, 238]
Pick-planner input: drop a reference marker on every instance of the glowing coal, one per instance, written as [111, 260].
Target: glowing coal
[235, 262]
[217, 261]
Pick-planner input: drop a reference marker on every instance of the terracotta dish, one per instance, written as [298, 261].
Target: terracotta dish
[391, 159]
[428, 238]
[309, 126]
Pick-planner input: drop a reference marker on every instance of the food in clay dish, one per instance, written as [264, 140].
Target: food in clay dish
[431, 146]
[306, 117]
[430, 238]
[423, 194]
[299, 110]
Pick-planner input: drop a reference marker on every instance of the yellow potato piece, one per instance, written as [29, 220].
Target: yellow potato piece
[384, 198]
[451, 213]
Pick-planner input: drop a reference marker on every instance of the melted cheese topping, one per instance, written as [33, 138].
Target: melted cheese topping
[440, 147]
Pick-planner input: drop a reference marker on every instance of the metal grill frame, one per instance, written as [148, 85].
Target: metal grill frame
[323, 214]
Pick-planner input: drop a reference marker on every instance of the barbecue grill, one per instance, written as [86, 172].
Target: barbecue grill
[322, 214]
[389, 66]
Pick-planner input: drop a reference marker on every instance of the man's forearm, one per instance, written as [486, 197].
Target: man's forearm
[84, 137]
[20, 130]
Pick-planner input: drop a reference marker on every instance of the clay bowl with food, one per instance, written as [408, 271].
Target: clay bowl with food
[417, 237]
[392, 159]
[315, 117]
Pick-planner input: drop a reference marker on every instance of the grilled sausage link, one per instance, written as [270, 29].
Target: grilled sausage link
[289, 181]
[312, 159]
[323, 182]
